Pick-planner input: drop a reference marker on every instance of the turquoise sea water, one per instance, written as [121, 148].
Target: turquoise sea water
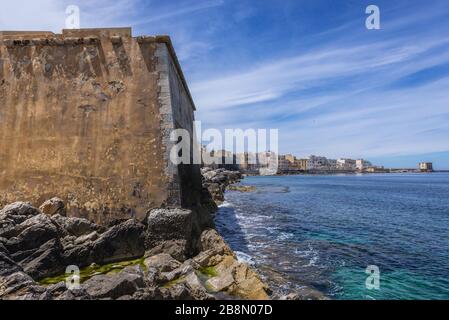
[322, 232]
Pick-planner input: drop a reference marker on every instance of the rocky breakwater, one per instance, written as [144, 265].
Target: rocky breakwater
[217, 181]
[166, 256]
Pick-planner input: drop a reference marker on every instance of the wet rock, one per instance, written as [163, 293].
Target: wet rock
[196, 288]
[53, 206]
[242, 188]
[162, 262]
[125, 283]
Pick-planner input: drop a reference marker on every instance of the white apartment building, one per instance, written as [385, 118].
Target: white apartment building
[347, 164]
[316, 163]
[362, 164]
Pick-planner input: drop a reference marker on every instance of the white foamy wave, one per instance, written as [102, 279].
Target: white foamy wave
[225, 204]
[243, 257]
[310, 254]
[285, 236]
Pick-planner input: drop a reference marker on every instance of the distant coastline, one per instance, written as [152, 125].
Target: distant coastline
[312, 173]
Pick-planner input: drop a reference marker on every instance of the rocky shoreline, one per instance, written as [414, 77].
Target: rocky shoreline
[166, 256]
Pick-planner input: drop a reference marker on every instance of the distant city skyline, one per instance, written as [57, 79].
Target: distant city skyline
[308, 68]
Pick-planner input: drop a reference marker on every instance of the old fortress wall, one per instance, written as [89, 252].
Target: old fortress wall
[86, 116]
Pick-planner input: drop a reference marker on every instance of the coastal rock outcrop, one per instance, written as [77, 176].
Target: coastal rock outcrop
[165, 257]
[171, 254]
[217, 180]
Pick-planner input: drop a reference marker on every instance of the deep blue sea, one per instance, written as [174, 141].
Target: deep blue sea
[322, 232]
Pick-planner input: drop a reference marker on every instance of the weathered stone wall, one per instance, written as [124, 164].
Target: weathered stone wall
[85, 116]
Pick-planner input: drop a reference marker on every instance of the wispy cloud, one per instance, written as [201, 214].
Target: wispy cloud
[177, 10]
[310, 69]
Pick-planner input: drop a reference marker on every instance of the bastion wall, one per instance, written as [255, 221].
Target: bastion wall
[86, 116]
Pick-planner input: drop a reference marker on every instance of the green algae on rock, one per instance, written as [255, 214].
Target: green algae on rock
[93, 270]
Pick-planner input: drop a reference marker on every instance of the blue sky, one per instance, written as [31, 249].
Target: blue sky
[307, 67]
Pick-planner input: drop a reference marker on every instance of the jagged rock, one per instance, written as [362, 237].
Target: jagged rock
[153, 276]
[14, 214]
[20, 209]
[127, 282]
[248, 283]
[204, 258]
[211, 240]
[221, 282]
[197, 290]
[162, 262]
[45, 262]
[7, 265]
[216, 181]
[120, 243]
[237, 279]
[76, 226]
[76, 294]
[88, 237]
[169, 225]
[32, 233]
[80, 255]
[53, 206]
[214, 249]
[208, 175]
[179, 272]
[205, 169]
[177, 291]
[175, 248]
[217, 191]
[57, 289]
[20, 286]
[207, 200]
